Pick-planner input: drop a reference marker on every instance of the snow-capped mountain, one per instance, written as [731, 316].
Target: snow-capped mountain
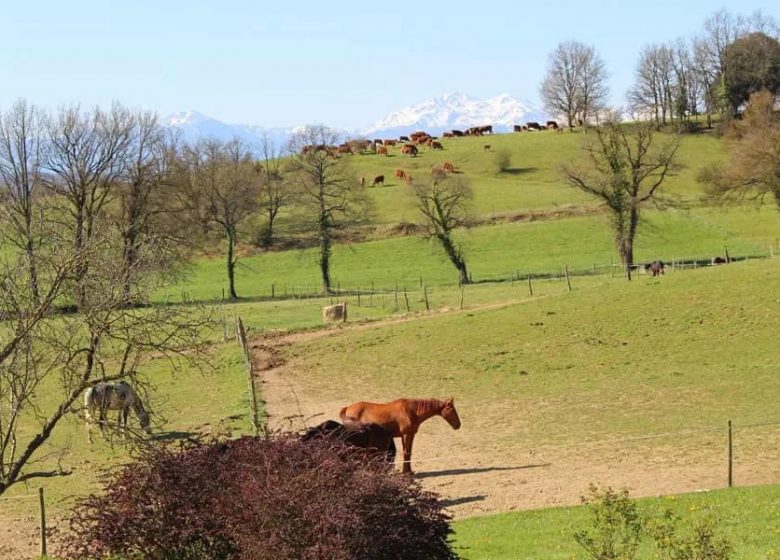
[456, 110]
[193, 126]
[436, 115]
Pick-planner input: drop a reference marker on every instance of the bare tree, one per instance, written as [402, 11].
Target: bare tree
[65, 354]
[753, 169]
[575, 84]
[275, 192]
[84, 159]
[20, 174]
[445, 205]
[664, 84]
[624, 169]
[225, 190]
[144, 206]
[329, 190]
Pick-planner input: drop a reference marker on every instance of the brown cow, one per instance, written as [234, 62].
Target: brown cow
[408, 179]
[448, 135]
[378, 180]
[447, 167]
[381, 151]
[532, 125]
[488, 129]
[486, 147]
[400, 173]
[389, 142]
[552, 125]
[518, 128]
[457, 132]
[409, 149]
[436, 145]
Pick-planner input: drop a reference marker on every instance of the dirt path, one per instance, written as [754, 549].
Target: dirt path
[477, 472]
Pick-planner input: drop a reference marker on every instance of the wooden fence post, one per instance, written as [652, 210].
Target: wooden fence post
[358, 291]
[241, 334]
[731, 458]
[530, 287]
[406, 298]
[425, 294]
[568, 281]
[42, 508]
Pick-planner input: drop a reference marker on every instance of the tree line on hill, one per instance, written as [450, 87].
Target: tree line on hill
[713, 73]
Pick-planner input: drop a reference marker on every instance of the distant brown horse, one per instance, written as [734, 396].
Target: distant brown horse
[402, 418]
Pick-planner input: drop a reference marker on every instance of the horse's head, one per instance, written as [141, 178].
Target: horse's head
[143, 420]
[449, 413]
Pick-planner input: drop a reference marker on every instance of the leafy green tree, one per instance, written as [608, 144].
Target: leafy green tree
[752, 65]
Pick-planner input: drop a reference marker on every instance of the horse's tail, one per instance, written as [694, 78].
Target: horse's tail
[343, 414]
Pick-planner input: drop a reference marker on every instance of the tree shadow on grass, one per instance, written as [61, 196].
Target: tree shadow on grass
[476, 470]
[518, 170]
[174, 435]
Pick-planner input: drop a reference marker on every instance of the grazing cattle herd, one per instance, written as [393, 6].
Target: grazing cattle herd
[410, 145]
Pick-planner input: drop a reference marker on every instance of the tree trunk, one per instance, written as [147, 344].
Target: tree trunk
[129, 259]
[231, 263]
[325, 247]
[32, 267]
[455, 257]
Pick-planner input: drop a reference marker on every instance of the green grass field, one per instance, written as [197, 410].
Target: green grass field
[748, 517]
[492, 252]
[608, 360]
[533, 181]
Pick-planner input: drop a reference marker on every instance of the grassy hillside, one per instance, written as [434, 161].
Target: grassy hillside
[491, 252]
[532, 182]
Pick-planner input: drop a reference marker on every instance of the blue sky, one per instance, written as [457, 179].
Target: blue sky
[345, 63]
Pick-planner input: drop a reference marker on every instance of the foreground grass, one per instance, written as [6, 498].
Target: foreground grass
[749, 517]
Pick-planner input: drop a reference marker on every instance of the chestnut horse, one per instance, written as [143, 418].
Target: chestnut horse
[402, 418]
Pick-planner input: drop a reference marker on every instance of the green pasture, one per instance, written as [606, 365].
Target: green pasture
[605, 361]
[211, 399]
[532, 182]
[748, 517]
[492, 252]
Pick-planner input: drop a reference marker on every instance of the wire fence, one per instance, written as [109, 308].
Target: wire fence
[280, 291]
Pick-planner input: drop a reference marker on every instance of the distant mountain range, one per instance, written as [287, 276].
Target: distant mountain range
[436, 115]
[456, 110]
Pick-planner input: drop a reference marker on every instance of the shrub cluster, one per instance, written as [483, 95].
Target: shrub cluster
[252, 498]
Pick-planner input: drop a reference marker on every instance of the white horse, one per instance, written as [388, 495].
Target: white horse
[120, 396]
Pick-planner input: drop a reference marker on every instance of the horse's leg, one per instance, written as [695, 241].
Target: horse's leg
[88, 418]
[408, 441]
[391, 451]
[122, 420]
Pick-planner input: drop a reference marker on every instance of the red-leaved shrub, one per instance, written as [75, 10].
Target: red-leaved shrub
[259, 499]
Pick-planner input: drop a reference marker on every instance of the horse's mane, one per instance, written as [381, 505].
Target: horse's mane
[427, 405]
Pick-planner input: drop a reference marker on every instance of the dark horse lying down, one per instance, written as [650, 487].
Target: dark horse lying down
[367, 436]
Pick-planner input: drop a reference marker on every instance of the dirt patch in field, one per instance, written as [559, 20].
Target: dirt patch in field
[19, 536]
[477, 470]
